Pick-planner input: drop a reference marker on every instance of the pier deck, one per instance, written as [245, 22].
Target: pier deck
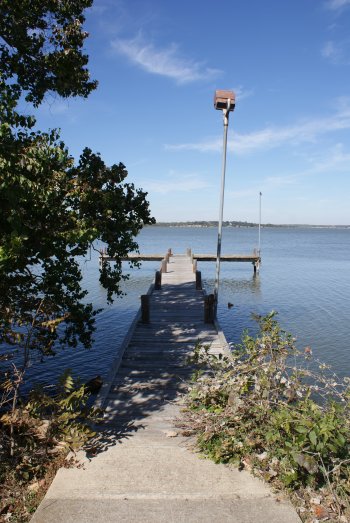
[146, 472]
[200, 257]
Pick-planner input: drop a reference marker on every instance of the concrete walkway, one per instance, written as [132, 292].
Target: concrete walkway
[143, 470]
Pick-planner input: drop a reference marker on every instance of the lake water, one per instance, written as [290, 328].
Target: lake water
[304, 275]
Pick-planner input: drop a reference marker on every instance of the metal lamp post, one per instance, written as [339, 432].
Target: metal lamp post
[260, 194]
[223, 101]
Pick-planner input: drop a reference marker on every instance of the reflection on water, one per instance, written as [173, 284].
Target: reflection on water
[305, 276]
[244, 286]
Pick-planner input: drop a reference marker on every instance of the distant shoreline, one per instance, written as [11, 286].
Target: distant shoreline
[237, 224]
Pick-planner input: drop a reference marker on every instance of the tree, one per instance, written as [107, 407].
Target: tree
[52, 209]
[41, 47]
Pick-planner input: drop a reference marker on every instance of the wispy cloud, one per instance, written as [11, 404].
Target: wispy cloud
[336, 159]
[337, 52]
[176, 182]
[330, 51]
[333, 160]
[164, 62]
[242, 93]
[279, 181]
[336, 5]
[274, 136]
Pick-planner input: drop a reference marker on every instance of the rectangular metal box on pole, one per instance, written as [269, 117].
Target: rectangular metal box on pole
[221, 97]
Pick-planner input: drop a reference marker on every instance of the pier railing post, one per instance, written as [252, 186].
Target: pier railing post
[198, 281]
[256, 266]
[209, 312]
[189, 252]
[145, 315]
[170, 252]
[164, 265]
[194, 265]
[158, 281]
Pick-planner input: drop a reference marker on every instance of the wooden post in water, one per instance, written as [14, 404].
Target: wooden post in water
[209, 312]
[164, 265]
[145, 308]
[198, 281]
[158, 281]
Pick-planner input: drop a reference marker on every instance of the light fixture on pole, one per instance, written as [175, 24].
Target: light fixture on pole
[223, 101]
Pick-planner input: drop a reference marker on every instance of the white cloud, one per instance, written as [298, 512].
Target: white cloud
[337, 52]
[335, 5]
[333, 160]
[177, 183]
[330, 50]
[273, 136]
[279, 181]
[164, 62]
[242, 93]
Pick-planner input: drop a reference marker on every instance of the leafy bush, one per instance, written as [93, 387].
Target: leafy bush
[274, 410]
[46, 425]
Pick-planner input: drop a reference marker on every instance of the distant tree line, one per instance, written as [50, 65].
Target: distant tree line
[234, 223]
[212, 223]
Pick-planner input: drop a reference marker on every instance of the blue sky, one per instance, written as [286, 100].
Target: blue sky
[158, 64]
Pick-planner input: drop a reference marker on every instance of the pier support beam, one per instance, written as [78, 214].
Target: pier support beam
[209, 312]
[198, 281]
[164, 265]
[256, 265]
[145, 315]
[158, 281]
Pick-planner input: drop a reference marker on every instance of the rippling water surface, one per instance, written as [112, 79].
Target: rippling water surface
[305, 276]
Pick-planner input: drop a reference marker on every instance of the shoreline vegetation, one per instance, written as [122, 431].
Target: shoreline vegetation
[233, 223]
[273, 410]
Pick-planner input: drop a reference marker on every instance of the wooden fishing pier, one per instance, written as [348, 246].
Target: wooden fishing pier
[253, 258]
[143, 469]
[174, 315]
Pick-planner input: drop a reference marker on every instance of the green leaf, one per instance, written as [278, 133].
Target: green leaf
[313, 437]
[301, 429]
